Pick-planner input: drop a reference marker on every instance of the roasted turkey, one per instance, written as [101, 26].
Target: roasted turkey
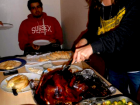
[62, 87]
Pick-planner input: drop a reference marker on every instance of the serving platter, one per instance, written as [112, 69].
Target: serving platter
[23, 62]
[86, 74]
[49, 57]
[30, 76]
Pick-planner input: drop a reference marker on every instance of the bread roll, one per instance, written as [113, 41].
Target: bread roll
[59, 55]
[18, 82]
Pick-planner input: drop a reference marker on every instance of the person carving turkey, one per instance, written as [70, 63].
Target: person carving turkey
[112, 33]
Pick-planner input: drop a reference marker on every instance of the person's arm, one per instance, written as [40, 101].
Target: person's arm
[113, 40]
[116, 39]
[23, 36]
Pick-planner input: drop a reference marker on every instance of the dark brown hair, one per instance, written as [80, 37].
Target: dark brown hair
[96, 3]
[33, 1]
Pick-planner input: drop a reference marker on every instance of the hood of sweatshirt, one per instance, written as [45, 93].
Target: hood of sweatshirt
[44, 15]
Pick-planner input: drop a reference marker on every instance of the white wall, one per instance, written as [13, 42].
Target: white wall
[14, 12]
[74, 17]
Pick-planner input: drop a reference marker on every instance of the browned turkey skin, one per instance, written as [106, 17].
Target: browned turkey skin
[61, 87]
[56, 88]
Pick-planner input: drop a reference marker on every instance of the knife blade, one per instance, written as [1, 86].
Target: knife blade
[67, 66]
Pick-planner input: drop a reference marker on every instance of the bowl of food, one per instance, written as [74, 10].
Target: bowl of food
[112, 100]
[34, 69]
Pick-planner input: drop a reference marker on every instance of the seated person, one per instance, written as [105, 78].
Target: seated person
[39, 26]
[1, 23]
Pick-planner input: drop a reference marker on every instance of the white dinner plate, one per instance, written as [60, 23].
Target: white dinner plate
[6, 26]
[30, 76]
[41, 42]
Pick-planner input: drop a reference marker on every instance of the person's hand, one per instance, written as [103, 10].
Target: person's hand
[52, 40]
[81, 43]
[1, 23]
[82, 53]
[35, 47]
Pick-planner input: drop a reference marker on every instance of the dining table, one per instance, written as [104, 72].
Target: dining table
[26, 98]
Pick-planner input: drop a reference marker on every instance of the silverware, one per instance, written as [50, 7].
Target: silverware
[67, 66]
[14, 90]
[10, 72]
